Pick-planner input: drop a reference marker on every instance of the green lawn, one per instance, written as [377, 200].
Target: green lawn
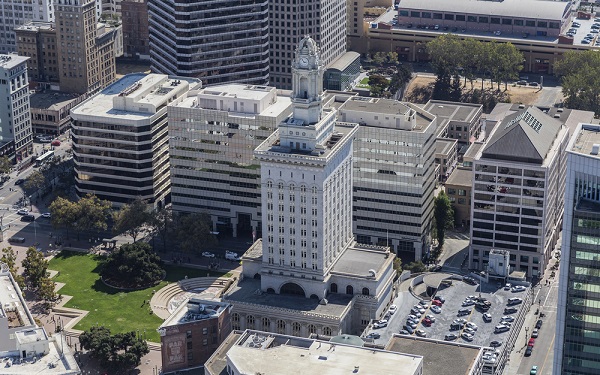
[117, 310]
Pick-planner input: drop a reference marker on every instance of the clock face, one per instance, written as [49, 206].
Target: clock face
[303, 61]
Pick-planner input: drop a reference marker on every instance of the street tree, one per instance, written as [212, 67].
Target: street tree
[378, 84]
[510, 60]
[379, 58]
[580, 77]
[35, 268]
[92, 214]
[161, 222]
[133, 265]
[416, 267]
[117, 353]
[193, 233]
[47, 292]
[444, 216]
[400, 78]
[9, 257]
[397, 266]
[35, 181]
[5, 165]
[64, 213]
[131, 218]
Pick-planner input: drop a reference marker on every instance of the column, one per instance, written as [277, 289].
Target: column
[234, 223]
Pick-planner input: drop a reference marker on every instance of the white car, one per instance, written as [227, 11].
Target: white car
[23, 211]
[518, 288]
[507, 318]
[471, 325]
[467, 336]
[468, 302]
[380, 324]
[46, 215]
[421, 333]
[393, 309]
[231, 253]
[419, 308]
[436, 309]
[507, 286]
[430, 317]
[469, 331]
[207, 254]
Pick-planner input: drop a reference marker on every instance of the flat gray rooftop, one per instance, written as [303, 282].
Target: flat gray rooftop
[358, 261]
[439, 357]
[376, 105]
[444, 145]
[51, 99]
[460, 177]
[245, 291]
[217, 363]
[463, 112]
[473, 150]
[588, 136]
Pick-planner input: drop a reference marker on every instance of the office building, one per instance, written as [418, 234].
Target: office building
[15, 116]
[37, 40]
[192, 333]
[86, 54]
[458, 188]
[307, 274]
[460, 121]
[289, 23]
[50, 111]
[15, 13]
[135, 29]
[258, 352]
[446, 157]
[120, 138]
[341, 74]
[518, 189]
[394, 173]
[226, 41]
[577, 331]
[212, 139]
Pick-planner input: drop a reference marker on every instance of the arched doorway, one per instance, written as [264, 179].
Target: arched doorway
[293, 289]
[349, 289]
[333, 288]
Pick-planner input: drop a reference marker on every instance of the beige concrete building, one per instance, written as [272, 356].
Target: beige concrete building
[257, 352]
[458, 188]
[446, 158]
[37, 40]
[50, 111]
[85, 51]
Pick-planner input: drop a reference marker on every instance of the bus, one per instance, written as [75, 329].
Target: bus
[44, 158]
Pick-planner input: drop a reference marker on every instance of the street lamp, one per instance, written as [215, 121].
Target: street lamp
[526, 335]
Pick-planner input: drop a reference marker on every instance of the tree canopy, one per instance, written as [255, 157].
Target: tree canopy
[9, 257]
[161, 222]
[35, 268]
[133, 266]
[35, 181]
[117, 353]
[131, 218]
[193, 233]
[580, 76]
[5, 165]
[89, 213]
[443, 216]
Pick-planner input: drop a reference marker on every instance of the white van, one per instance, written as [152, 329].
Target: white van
[231, 256]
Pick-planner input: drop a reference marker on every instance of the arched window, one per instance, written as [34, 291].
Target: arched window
[269, 184]
[292, 187]
[296, 329]
[365, 291]
[249, 322]
[303, 188]
[349, 289]
[327, 331]
[266, 324]
[281, 326]
[312, 328]
[314, 190]
[280, 186]
[235, 321]
[333, 288]
[292, 288]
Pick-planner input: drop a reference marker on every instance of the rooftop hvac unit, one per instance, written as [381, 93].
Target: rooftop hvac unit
[595, 149]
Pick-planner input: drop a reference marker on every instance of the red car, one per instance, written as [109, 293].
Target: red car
[531, 342]
[427, 322]
[437, 302]
[55, 142]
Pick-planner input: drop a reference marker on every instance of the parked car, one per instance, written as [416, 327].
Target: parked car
[16, 239]
[528, 351]
[436, 309]
[439, 298]
[468, 302]
[380, 324]
[467, 336]
[450, 337]
[518, 288]
[469, 280]
[393, 309]
[430, 317]
[411, 324]
[424, 303]
[501, 328]
[531, 342]
[508, 318]
[404, 332]
[408, 329]
[414, 318]
[535, 333]
[534, 370]
[510, 310]
[55, 142]
[487, 317]
[208, 254]
[508, 285]
[373, 335]
[426, 322]
[23, 211]
[437, 302]
[514, 301]
[495, 343]
[471, 325]
[469, 331]
[421, 333]
[538, 325]
[463, 312]
[27, 218]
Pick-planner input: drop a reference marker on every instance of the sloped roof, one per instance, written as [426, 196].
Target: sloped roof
[524, 136]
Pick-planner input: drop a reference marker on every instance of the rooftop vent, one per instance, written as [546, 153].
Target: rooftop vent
[595, 149]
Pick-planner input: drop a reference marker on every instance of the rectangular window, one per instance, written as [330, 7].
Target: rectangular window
[460, 17]
[425, 14]
[507, 21]
[471, 18]
[450, 191]
[530, 23]
[437, 16]
[415, 14]
[484, 20]
[449, 17]
[554, 25]
[543, 24]
[518, 22]
[404, 13]
[495, 20]
[462, 193]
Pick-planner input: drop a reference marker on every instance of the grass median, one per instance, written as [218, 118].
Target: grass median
[121, 311]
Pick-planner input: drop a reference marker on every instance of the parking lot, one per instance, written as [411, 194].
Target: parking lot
[454, 296]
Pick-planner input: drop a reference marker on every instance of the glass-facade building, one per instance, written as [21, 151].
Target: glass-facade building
[577, 350]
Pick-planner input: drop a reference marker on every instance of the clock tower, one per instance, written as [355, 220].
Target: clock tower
[307, 82]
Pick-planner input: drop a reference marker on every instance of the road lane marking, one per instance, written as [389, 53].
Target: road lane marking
[547, 353]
